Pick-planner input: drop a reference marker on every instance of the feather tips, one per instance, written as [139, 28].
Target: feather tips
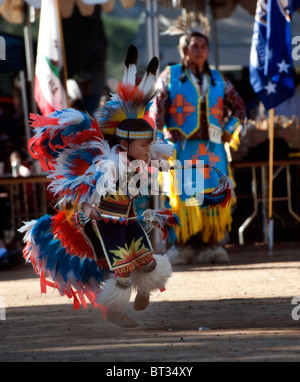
[129, 76]
[165, 221]
[130, 101]
[149, 77]
[73, 276]
[221, 196]
[55, 133]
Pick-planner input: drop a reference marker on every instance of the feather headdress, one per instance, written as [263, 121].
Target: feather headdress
[131, 101]
[189, 23]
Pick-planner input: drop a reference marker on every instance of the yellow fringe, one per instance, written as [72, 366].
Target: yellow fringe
[212, 223]
[235, 139]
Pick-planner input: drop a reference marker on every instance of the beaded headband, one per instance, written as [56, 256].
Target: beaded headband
[134, 134]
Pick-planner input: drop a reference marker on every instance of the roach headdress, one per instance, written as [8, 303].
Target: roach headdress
[186, 25]
[190, 23]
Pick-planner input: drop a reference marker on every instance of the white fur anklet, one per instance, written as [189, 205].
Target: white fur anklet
[115, 294]
[145, 282]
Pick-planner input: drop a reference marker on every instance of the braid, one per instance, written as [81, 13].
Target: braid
[199, 76]
[182, 77]
[206, 68]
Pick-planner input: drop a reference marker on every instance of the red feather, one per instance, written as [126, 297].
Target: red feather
[96, 127]
[149, 120]
[129, 93]
[70, 236]
[86, 135]
[40, 120]
[79, 166]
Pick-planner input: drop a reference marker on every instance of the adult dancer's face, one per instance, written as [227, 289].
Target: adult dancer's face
[197, 51]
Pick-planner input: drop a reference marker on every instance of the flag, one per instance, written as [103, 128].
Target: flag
[50, 89]
[295, 4]
[271, 64]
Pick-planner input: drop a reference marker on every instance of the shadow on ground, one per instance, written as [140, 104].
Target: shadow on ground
[233, 329]
[192, 331]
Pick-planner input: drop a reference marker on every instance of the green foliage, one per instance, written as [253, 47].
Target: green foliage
[120, 34]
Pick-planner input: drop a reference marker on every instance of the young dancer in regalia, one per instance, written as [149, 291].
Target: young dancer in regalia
[94, 247]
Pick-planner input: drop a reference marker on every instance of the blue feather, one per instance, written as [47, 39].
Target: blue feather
[58, 259]
[74, 129]
[210, 201]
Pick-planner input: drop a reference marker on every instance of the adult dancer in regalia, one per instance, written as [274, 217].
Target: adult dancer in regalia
[199, 110]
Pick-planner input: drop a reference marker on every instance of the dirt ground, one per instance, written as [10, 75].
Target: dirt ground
[241, 311]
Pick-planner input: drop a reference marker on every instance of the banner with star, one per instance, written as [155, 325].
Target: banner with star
[271, 64]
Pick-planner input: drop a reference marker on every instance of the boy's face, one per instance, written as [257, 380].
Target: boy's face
[140, 149]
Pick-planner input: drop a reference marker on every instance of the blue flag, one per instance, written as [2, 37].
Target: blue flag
[295, 4]
[271, 64]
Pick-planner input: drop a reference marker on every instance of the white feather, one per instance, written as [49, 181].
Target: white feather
[160, 150]
[132, 69]
[129, 76]
[155, 216]
[224, 183]
[70, 117]
[147, 82]
[27, 227]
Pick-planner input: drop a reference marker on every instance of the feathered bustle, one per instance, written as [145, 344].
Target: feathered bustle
[57, 132]
[74, 277]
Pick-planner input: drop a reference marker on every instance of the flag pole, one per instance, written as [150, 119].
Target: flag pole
[271, 162]
[64, 60]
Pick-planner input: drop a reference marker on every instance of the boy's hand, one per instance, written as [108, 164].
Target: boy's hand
[90, 211]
